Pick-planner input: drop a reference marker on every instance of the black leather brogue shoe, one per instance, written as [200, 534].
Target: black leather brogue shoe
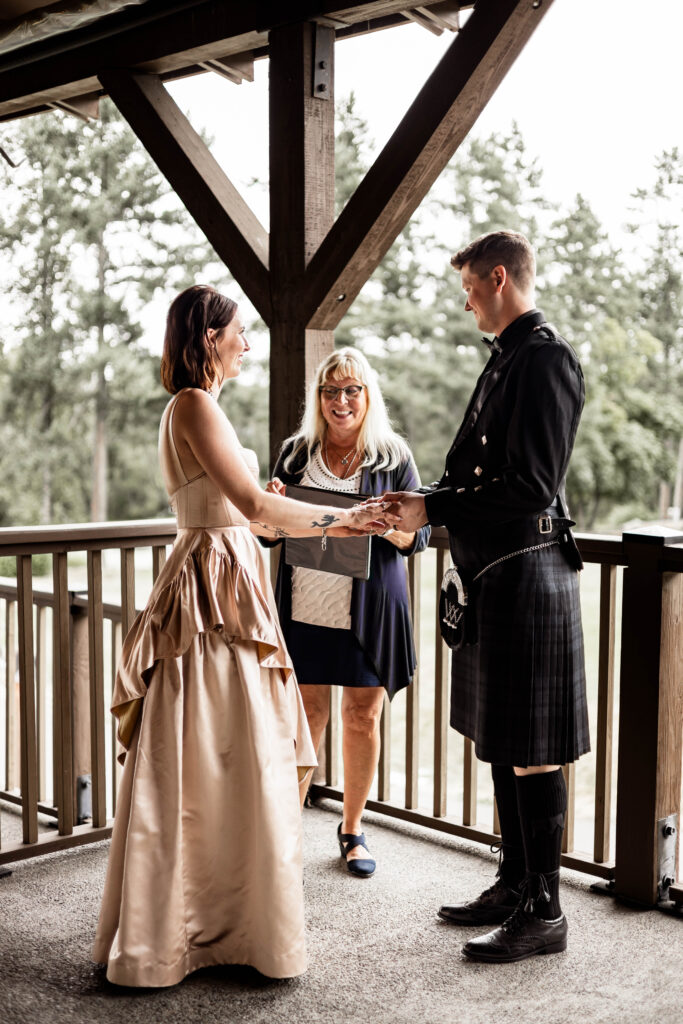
[493, 907]
[521, 936]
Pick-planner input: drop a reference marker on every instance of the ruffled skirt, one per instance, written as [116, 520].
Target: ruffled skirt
[205, 864]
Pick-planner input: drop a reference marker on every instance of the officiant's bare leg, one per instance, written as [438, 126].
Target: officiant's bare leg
[361, 712]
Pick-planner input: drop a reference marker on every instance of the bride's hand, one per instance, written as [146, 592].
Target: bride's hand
[372, 512]
[275, 486]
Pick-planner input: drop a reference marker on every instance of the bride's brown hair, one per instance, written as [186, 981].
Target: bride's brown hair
[190, 359]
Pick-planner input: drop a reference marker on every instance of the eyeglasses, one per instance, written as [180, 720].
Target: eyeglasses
[352, 391]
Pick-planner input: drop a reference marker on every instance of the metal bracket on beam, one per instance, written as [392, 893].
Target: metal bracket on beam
[322, 62]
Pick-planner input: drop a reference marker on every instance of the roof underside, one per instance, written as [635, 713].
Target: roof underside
[45, 61]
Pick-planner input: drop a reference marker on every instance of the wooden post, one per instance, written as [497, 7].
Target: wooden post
[301, 210]
[650, 712]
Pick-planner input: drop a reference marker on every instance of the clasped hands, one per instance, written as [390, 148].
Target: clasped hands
[405, 511]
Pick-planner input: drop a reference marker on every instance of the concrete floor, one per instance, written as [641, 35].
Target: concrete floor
[377, 951]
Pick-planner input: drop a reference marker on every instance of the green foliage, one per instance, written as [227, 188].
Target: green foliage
[94, 234]
[42, 565]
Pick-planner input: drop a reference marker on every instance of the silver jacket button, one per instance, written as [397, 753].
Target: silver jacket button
[484, 439]
[478, 470]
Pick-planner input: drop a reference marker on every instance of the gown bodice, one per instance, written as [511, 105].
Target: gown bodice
[196, 502]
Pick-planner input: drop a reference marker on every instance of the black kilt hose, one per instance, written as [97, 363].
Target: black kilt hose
[519, 692]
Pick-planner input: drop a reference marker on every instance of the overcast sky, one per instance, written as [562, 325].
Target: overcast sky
[596, 93]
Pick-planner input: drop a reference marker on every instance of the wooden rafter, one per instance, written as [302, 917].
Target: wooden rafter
[234, 231]
[165, 42]
[425, 140]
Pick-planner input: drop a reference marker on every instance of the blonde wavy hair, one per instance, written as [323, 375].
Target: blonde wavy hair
[381, 445]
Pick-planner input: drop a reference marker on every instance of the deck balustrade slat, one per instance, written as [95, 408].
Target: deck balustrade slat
[569, 771]
[441, 680]
[10, 695]
[605, 721]
[158, 560]
[116, 644]
[96, 667]
[41, 698]
[496, 818]
[62, 705]
[332, 740]
[127, 588]
[413, 692]
[469, 795]
[27, 701]
[384, 766]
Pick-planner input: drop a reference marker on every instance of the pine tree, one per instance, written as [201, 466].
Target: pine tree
[95, 233]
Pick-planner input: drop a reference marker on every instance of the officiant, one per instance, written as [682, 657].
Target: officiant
[344, 631]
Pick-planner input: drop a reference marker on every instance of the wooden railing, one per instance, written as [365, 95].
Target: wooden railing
[55, 641]
[650, 721]
[67, 629]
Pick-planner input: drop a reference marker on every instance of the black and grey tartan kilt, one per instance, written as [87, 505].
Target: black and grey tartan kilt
[520, 692]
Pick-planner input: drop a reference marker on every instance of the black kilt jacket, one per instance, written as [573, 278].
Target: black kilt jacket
[519, 690]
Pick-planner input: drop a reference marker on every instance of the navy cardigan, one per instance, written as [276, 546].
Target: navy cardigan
[380, 610]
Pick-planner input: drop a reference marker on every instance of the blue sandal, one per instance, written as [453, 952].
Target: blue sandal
[361, 867]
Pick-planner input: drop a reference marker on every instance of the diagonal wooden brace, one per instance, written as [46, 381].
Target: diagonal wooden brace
[184, 159]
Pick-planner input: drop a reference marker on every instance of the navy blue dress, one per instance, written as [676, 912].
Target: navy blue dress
[379, 649]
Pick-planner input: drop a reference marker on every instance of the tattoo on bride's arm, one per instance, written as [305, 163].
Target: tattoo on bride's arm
[277, 531]
[327, 520]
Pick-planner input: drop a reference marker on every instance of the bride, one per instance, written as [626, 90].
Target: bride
[205, 865]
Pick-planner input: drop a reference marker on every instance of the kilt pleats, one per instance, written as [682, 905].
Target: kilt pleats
[520, 692]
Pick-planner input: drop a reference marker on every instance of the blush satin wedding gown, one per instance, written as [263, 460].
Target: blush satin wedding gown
[205, 865]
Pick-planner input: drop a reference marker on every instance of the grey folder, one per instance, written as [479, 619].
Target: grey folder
[345, 556]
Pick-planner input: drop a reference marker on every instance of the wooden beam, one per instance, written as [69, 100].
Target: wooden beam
[425, 140]
[169, 38]
[183, 158]
[301, 210]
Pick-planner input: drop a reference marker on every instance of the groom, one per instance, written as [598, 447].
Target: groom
[518, 689]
